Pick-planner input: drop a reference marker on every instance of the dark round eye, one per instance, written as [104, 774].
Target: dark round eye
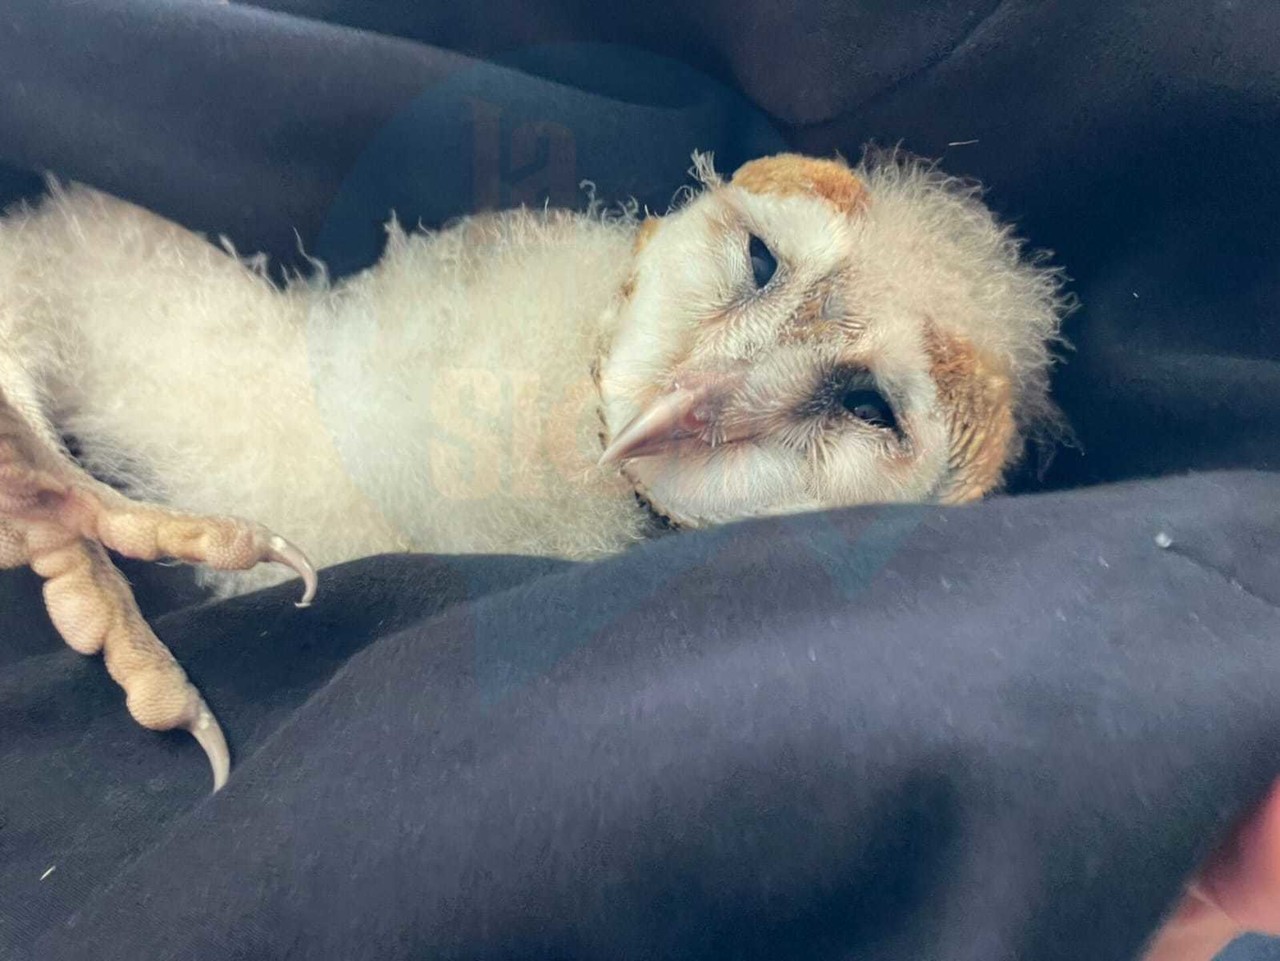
[763, 263]
[870, 407]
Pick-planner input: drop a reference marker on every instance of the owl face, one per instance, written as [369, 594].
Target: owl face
[807, 336]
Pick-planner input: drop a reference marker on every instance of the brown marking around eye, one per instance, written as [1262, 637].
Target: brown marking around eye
[976, 397]
[793, 174]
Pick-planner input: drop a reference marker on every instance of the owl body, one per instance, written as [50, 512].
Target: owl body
[802, 336]
[805, 335]
[421, 405]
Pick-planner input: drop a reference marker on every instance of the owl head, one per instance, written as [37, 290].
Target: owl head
[808, 335]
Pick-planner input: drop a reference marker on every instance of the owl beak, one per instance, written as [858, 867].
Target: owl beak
[677, 415]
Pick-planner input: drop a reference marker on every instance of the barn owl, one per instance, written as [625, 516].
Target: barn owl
[802, 335]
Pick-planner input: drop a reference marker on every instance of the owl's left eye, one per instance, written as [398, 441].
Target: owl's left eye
[869, 406]
[763, 264]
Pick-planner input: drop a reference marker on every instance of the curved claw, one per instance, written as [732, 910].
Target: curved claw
[208, 734]
[282, 552]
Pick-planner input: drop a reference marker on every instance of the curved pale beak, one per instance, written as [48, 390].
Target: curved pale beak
[676, 415]
[680, 414]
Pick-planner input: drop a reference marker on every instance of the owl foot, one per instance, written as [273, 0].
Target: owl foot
[58, 520]
[93, 609]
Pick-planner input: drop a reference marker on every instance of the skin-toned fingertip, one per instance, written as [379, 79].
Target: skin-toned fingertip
[208, 734]
[1242, 878]
[1237, 891]
[282, 552]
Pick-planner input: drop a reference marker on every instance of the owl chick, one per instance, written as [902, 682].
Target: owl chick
[804, 335]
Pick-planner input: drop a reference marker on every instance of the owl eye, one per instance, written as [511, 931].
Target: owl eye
[870, 407]
[763, 263]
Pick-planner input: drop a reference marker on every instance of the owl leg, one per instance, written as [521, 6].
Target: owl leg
[58, 519]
